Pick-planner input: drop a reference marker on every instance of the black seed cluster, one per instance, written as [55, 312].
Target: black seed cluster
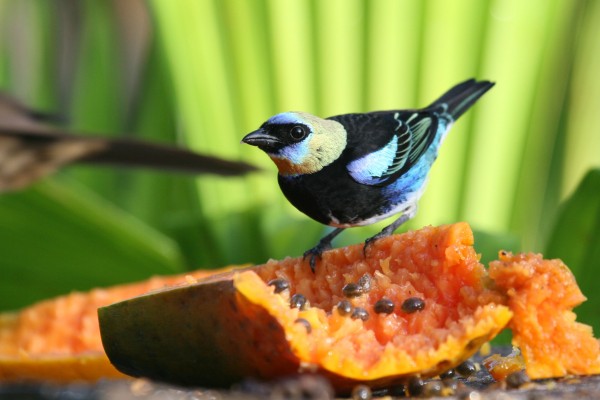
[449, 383]
[384, 306]
[413, 304]
[279, 284]
[298, 301]
[344, 308]
[360, 313]
[418, 387]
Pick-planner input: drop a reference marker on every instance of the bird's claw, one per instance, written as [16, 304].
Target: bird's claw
[315, 253]
[312, 260]
[323, 245]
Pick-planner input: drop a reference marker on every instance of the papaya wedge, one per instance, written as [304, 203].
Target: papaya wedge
[416, 303]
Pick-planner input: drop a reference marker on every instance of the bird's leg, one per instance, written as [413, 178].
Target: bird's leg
[388, 230]
[324, 244]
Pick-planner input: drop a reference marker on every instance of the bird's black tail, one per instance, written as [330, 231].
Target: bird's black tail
[462, 96]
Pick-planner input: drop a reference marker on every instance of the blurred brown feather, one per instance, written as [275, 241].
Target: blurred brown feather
[31, 149]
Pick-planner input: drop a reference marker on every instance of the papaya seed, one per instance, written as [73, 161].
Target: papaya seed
[467, 368]
[279, 284]
[344, 308]
[298, 301]
[413, 304]
[384, 306]
[352, 290]
[415, 386]
[360, 313]
[362, 392]
[451, 373]
[306, 324]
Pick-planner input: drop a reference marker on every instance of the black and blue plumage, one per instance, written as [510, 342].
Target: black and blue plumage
[356, 169]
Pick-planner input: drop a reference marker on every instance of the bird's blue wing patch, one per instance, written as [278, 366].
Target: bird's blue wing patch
[412, 137]
[371, 168]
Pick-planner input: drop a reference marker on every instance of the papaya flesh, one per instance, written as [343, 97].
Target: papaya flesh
[541, 294]
[422, 300]
[59, 339]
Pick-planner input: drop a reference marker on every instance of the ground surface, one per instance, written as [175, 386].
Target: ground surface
[478, 386]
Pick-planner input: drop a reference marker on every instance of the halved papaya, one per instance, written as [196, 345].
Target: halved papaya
[541, 294]
[417, 303]
[59, 339]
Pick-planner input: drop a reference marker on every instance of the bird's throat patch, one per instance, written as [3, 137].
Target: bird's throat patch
[286, 167]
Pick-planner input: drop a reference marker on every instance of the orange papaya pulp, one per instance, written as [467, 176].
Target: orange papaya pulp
[541, 294]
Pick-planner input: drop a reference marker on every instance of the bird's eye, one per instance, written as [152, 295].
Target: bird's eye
[297, 132]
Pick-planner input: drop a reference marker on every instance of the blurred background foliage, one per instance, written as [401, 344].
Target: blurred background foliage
[202, 73]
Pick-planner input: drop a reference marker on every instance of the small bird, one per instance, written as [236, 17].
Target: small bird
[357, 169]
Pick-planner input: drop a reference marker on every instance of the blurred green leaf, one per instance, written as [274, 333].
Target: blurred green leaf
[576, 240]
[489, 244]
[576, 235]
[503, 338]
[54, 240]
[286, 235]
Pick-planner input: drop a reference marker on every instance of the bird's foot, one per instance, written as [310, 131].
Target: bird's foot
[323, 245]
[387, 231]
[315, 253]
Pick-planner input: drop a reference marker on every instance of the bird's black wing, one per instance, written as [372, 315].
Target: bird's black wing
[383, 145]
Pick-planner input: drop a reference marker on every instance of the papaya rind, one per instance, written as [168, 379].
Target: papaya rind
[225, 354]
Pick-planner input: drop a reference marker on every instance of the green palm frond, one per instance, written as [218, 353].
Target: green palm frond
[209, 71]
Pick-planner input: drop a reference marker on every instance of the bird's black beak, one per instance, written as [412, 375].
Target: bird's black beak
[261, 139]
